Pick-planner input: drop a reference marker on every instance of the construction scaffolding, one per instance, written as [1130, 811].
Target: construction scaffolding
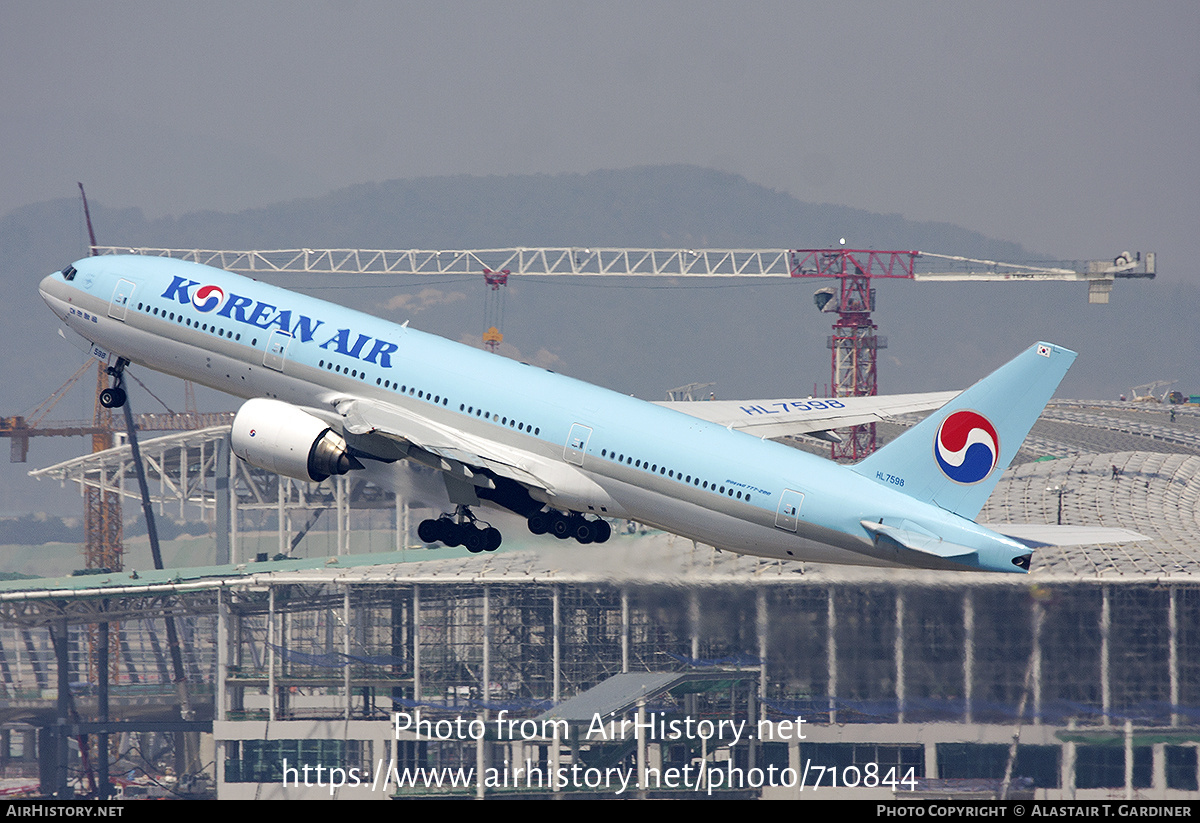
[914, 667]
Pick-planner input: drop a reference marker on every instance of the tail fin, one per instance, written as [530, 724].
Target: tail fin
[955, 457]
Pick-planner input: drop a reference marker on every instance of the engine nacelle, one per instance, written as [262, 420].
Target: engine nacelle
[281, 438]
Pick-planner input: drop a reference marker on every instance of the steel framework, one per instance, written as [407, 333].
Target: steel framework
[626, 262]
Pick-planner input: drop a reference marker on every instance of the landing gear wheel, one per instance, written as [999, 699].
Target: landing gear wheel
[452, 534]
[539, 522]
[473, 539]
[112, 398]
[429, 531]
[603, 531]
[560, 526]
[491, 539]
[583, 530]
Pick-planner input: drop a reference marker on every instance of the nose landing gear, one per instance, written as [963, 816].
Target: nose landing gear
[114, 396]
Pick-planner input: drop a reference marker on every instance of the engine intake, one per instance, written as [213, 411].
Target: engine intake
[281, 438]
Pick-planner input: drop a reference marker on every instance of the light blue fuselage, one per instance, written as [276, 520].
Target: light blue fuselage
[640, 461]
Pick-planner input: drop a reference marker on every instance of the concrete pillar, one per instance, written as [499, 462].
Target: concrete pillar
[222, 501]
[1158, 774]
[62, 668]
[280, 512]
[1173, 653]
[105, 787]
[641, 742]
[416, 641]
[183, 481]
[1129, 760]
[401, 523]
[270, 652]
[346, 650]
[694, 622]
[235, 554]
[220, 708]
[831, 655]
[1039, 618]
[557, 652]
[220, 700]
[486, 686]
[340, 485]
[1068, 764]
[1105, 630]
[899, 655]
[760, 610]
[968, 655]
[624, 631]
[480, 764]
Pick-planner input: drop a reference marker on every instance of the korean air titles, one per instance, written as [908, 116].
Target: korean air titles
[210, 298]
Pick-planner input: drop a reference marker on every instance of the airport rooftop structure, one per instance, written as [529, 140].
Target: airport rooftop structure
[1091, 663]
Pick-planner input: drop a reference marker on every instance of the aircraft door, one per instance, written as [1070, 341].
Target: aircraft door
[276, 353]
[577, 442]
[787, 517]
[120, 300]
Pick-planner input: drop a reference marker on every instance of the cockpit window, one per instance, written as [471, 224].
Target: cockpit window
[68, 273]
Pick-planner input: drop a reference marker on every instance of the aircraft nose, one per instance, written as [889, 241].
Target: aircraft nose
[50, 288]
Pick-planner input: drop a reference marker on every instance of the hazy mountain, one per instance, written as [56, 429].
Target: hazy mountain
[659, 206]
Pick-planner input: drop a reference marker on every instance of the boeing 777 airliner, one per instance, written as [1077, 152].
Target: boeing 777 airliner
[329, 389]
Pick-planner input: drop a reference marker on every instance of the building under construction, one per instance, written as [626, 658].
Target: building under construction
[314, 639]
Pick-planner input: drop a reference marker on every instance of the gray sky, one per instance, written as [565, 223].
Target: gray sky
[1069, 127]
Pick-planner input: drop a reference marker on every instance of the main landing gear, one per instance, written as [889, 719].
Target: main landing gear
[114, 397]
[573, 525]
[460, 529]
[463, 529]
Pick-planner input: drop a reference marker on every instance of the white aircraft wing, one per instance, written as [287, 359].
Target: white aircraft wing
[392, 432]
[770, 419]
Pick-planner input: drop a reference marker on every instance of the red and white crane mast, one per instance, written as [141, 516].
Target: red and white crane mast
[854, 345]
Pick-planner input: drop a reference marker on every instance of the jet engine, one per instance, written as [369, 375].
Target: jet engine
[281, 438]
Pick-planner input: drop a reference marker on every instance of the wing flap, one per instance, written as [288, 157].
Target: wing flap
[441, 447]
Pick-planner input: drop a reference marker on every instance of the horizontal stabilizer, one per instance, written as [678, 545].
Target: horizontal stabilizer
[921, 541]
[1036, 534]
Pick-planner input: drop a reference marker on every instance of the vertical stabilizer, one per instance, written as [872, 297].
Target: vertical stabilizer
[955, 457]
